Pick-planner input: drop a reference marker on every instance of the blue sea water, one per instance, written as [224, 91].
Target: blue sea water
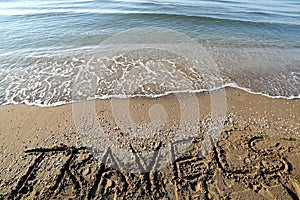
[255, 44]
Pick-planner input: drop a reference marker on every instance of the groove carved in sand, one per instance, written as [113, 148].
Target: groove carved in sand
[242, 158]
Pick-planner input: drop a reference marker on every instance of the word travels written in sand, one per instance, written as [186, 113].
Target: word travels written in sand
[72, 172]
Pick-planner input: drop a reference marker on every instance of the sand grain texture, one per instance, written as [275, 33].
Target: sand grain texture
[257, 155]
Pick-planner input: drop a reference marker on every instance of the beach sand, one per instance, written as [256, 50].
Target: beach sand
[257, 155]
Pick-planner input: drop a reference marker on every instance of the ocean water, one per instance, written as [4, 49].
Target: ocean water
[54, 52]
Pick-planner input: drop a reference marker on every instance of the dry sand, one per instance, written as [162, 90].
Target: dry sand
[257, 156]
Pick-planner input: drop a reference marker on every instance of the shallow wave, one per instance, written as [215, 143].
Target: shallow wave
[208, 18]
[105, 97]
[22, 4]
[48, 80]
[155, 15]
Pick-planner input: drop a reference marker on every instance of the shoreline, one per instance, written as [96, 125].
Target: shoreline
[224, 87]
[260, 138]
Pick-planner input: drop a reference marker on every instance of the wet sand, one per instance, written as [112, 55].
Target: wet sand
[257, 155]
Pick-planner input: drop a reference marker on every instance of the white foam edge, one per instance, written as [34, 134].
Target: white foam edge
[122, 96]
